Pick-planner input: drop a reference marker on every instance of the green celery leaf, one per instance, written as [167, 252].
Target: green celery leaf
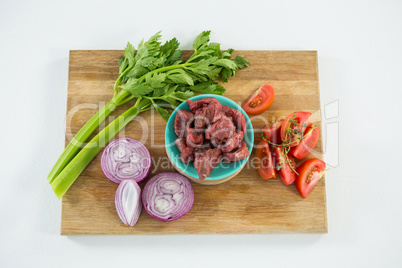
[216, 47]
[170, 89]
[129, 83]
[173, 58]
[170, 46]
[158, 92]
[241, 62]
[158, 62]
[184, 95]
[203, 67]
[124, 79]
[163, 112]
[123, 63]
[227, 54]
[174, 103]
[150, 47]
[208, 88]
[155, 80]
[137, 72]
[154, 40]
[215, 73]
[204, 63]
[129, 53]
[226, 63]
[226, 73]
[179, 76]
[148, 51]
[201, 41]
[206, 68]
[181, 88]
[138, 90]
[147, 62]
[166, 90]
[207, 54]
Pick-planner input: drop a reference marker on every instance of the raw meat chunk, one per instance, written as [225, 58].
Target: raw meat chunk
[237, 154]
[221, 129]
[195, 105]
[182, 121]
[195, 137]
[205, 163]
[186, 153]
[238, 120]
[181, 143]
[232, 143]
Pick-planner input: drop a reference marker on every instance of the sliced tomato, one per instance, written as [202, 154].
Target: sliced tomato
[260, 100]
[285, 165]
[265, 163]
[272, 132]
[293, 127]
[308, 143]
[310, 172]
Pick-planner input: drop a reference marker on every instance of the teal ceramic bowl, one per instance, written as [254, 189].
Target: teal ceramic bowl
[221, 172]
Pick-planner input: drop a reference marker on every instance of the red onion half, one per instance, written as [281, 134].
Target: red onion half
[126, 159]
[128, 202]
[168, 196]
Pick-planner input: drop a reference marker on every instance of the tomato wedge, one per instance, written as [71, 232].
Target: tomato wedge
[260, 100]
[265, 163]
[310, 172]
[293, 127]
[308, 143]
[286, 173]
[272, 132]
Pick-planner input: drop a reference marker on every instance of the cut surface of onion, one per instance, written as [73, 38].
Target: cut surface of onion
[128, 202]
[168, 196]
[125, 159]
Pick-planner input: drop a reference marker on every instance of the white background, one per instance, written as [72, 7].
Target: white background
[359, 46]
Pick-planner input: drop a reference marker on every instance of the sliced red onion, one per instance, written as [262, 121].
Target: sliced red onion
[126, 159]
[128, 202]
[168, 196]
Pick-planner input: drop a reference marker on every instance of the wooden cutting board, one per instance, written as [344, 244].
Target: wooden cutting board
[245, 204]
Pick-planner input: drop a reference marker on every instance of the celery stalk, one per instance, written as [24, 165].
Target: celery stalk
[84, 133]
[73, 169]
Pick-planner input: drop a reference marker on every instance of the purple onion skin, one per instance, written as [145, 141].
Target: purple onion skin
[128, 202]
[168, 196]
[125, 159]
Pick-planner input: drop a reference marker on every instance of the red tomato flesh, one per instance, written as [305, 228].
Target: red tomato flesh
[272, 132]
[308, 143]
[310, 173]
[286, 173]
[265, 163]
[293, 127]
[260, 100]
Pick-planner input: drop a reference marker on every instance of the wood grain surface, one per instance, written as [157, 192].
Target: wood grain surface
[245, 204]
